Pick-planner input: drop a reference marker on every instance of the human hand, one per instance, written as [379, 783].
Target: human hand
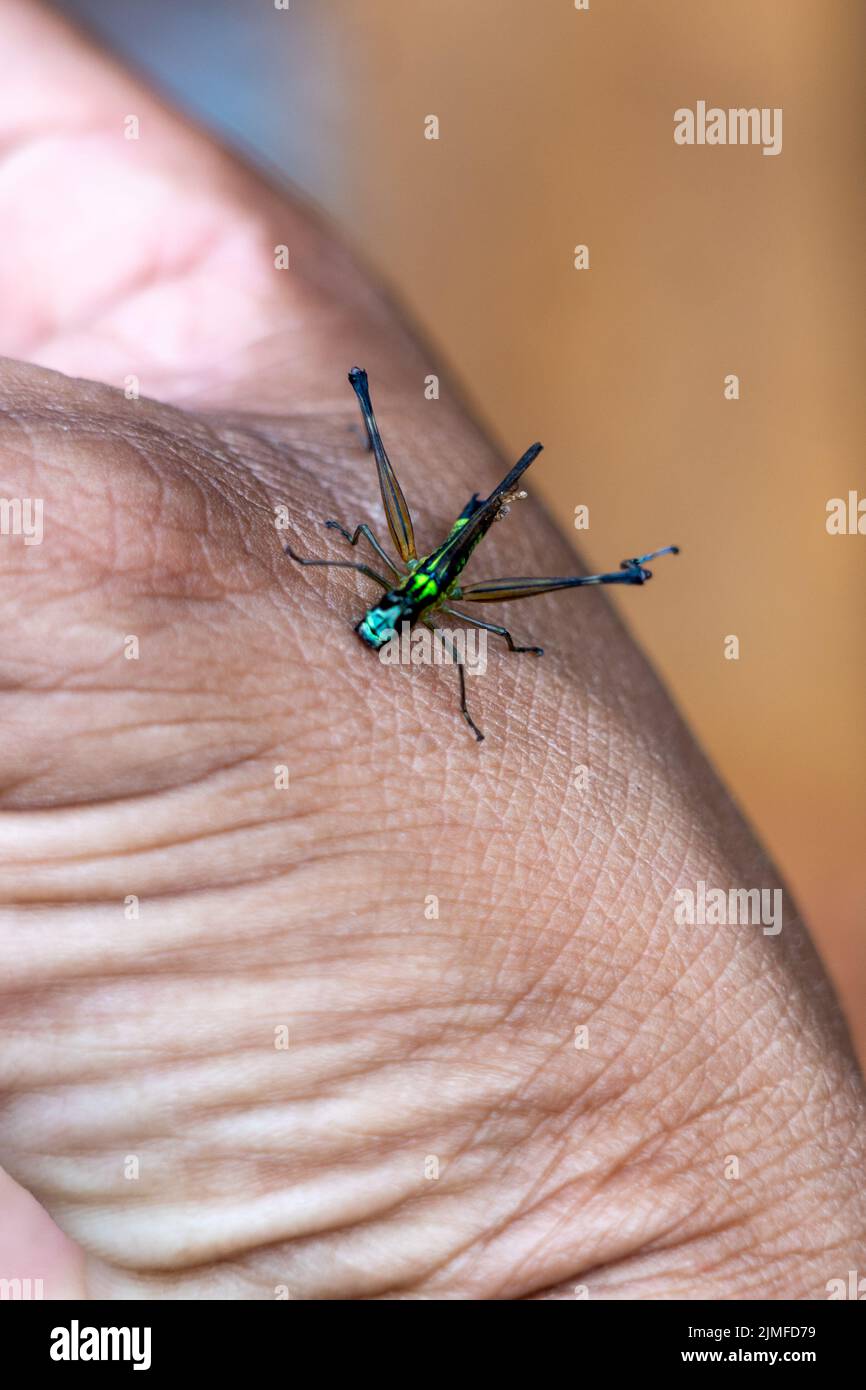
[148, 1102]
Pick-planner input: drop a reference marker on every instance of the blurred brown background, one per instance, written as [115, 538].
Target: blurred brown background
[556, 128]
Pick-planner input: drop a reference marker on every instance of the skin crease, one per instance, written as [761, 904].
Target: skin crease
[307, 1168]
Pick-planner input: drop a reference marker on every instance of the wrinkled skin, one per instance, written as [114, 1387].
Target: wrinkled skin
[410, 1037]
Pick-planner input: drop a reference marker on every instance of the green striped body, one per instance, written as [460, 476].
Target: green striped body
[432, 581]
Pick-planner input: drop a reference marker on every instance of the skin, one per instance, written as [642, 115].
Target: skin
[600, 1168]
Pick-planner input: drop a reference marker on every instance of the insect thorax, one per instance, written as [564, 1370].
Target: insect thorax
[405, 604]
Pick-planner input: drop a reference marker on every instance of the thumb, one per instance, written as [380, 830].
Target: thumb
[36, 1259]
[134, 250]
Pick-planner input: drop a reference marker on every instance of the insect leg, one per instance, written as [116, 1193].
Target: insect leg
[653, 555]
[340, 565]
[503, 590]
[460, 672]
[397, 512]
[491, 627]
[365, 531]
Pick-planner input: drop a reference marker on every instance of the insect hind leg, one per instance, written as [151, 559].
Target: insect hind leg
[635, 568]
[396, 510]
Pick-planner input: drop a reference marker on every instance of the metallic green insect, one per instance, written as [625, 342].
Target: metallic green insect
[428, 583]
